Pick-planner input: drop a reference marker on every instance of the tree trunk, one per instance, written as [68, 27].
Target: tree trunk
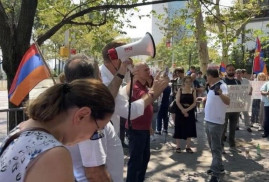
[200, 35]
[10, 59]
[225, 56]
[222, 34]
[15, 38]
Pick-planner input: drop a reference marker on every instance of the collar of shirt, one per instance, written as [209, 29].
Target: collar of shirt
[140, 85]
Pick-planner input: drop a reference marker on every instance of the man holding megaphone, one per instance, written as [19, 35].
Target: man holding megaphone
[108, 150]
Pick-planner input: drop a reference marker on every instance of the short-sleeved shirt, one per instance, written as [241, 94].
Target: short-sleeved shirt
[142, 122]
[215, 108]
[105, 151]
[231, 81]
[245, 81]
[18, 157]
[265, 87]
[195, 84]
[201, 81]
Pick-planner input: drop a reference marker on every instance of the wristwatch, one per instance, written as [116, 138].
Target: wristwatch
[120, 76]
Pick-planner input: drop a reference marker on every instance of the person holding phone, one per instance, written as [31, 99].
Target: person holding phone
[215, 109]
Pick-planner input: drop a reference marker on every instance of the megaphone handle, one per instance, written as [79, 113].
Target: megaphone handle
[130, 68]
[130, 102]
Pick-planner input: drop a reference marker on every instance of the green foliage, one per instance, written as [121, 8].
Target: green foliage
[183, 52]
[177, 25]
[86, 38]
[227, 23]
[214, 55]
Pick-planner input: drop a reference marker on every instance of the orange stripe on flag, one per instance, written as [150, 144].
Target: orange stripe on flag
[37, 75]
[265, 70]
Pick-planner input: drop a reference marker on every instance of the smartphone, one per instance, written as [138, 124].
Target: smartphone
[216, 89]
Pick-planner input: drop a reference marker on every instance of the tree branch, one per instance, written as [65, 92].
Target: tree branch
[87, 23]
[239, 30]
[77, 7]
[66, 20]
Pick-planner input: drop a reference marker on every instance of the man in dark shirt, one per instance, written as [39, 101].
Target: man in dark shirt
[232, 117]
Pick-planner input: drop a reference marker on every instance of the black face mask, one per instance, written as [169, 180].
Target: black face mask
[230, 74]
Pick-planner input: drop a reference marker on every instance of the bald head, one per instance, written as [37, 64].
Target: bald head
[142, 71]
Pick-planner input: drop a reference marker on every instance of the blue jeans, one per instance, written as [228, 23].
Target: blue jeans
[214, 134]
[162, 118]
[139, 150]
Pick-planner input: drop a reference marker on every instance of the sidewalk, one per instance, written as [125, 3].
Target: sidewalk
[168, 166]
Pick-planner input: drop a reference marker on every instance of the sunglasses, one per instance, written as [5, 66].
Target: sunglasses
[98, 133]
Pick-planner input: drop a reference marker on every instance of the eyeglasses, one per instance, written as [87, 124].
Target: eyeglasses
[98, 133]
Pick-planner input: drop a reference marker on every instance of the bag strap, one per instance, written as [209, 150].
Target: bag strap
[16, 135]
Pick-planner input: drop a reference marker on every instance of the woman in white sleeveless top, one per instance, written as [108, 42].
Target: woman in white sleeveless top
[64, 114]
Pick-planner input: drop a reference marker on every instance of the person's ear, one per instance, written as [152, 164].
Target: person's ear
[81, 114]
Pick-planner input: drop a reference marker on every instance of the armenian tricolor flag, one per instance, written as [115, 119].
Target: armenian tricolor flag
[222, 67]
[30, 72]
[258, 64]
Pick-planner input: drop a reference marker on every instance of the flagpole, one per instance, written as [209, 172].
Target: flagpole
[254, 61]
[45, 62]
[252, 67]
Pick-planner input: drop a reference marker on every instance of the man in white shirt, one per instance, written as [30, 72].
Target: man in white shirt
[215, 109]
[102, 160]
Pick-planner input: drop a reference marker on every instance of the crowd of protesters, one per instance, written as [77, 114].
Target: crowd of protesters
[190, 94]
[96, 154]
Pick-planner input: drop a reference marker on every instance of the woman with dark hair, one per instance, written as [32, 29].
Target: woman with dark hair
[185, 126]
[64, 114]
[178, 75]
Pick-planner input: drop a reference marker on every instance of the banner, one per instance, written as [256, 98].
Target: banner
[256, 86]
[240, 100]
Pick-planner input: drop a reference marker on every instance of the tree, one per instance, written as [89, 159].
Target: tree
[183, 25]
[229, 22]
[182, 52]
[200, 34]
[17, 19]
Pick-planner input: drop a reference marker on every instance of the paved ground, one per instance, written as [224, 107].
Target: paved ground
[167, 166]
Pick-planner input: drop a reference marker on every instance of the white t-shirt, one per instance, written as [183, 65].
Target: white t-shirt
[121, 101]
[215, 109]
[90, 153]
[244, 81]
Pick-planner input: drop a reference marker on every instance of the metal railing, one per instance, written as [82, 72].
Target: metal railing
[4, 115]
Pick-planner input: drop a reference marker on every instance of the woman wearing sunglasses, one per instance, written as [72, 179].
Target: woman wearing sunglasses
[64, 114]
